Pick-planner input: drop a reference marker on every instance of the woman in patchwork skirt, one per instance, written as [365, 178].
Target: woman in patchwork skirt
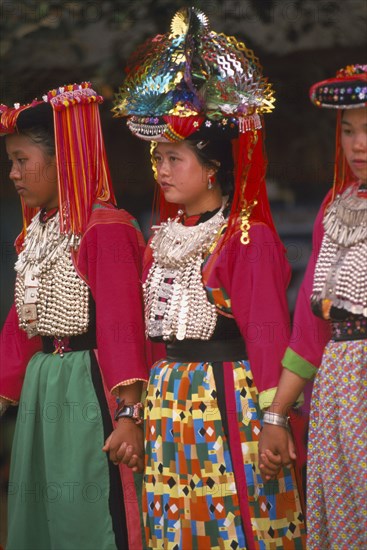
[214, 291]
[329, 341]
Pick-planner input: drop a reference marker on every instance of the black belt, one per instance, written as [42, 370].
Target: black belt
[353, 328]
[81, 342]
[200, 351]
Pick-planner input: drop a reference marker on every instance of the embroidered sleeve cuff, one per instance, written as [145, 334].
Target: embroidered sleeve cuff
[128, 382]
[4, 404]
[9, 400]
[266, 398]
[297, 364]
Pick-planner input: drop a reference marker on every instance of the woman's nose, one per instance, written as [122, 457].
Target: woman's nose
[14, 173]
[163, 168]
[360, 142]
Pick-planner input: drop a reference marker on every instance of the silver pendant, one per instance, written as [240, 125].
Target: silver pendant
[30, 296]
[29, 312]
[31, 279]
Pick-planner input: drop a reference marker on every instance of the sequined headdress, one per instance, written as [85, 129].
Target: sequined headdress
[83, 174]
[193, 81]
[347, 90]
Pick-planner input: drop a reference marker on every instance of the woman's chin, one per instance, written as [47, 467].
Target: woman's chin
[170, 197]
[31, 204]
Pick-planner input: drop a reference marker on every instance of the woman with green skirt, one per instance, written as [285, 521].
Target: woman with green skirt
[74, 339]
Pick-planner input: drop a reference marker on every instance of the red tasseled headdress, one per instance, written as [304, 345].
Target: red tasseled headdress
[82, 167]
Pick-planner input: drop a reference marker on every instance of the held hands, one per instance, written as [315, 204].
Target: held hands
[276, 449]
[4, 404]
[126, 445]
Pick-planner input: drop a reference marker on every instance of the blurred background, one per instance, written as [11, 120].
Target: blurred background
[45, 44]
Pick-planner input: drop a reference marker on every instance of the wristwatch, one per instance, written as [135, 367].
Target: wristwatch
[135, 412]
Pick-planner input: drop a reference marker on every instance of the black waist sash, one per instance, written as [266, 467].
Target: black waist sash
[81, 342]
[200, 351]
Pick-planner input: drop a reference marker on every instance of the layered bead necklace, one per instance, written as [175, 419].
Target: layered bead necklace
[176, 304]
[50, 298]
[341, 268]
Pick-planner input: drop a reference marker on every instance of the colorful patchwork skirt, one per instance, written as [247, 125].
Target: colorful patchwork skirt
[337, 473]
[202, 485]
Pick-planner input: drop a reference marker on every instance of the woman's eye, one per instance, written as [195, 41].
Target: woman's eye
[21, 160]
[172, 159]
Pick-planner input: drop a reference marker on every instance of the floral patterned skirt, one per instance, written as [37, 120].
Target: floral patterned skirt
[199, 491]
[337, 473]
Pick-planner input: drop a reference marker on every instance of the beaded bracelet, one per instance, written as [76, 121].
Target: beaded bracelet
[276, 419]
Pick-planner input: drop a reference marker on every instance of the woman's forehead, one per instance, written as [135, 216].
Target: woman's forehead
[16, 143]
[175, 146]
[356, 116]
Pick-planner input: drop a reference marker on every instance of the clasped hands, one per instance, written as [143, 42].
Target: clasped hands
[276, 449]
[126, 445]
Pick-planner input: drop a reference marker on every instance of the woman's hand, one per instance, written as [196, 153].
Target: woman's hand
[4, 404]
[126, 445]
[276, 449]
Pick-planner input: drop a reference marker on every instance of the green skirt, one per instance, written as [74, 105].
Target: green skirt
[59, 477]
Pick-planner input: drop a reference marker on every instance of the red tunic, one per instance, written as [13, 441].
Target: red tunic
[249, 283]
[109, 260]
[310, 333]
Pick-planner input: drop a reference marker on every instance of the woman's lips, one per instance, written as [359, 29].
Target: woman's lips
[165, 186]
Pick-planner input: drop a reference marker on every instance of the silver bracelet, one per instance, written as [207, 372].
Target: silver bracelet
[276, 419]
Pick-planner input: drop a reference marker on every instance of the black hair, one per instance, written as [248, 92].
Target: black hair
[42, 137]
[37, 124]
[216, 154]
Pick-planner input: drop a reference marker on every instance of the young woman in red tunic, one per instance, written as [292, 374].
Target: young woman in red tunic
[74, 340]
[215, 278]
[329, 342]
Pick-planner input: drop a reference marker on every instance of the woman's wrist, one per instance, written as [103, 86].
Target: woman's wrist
[275, 419]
